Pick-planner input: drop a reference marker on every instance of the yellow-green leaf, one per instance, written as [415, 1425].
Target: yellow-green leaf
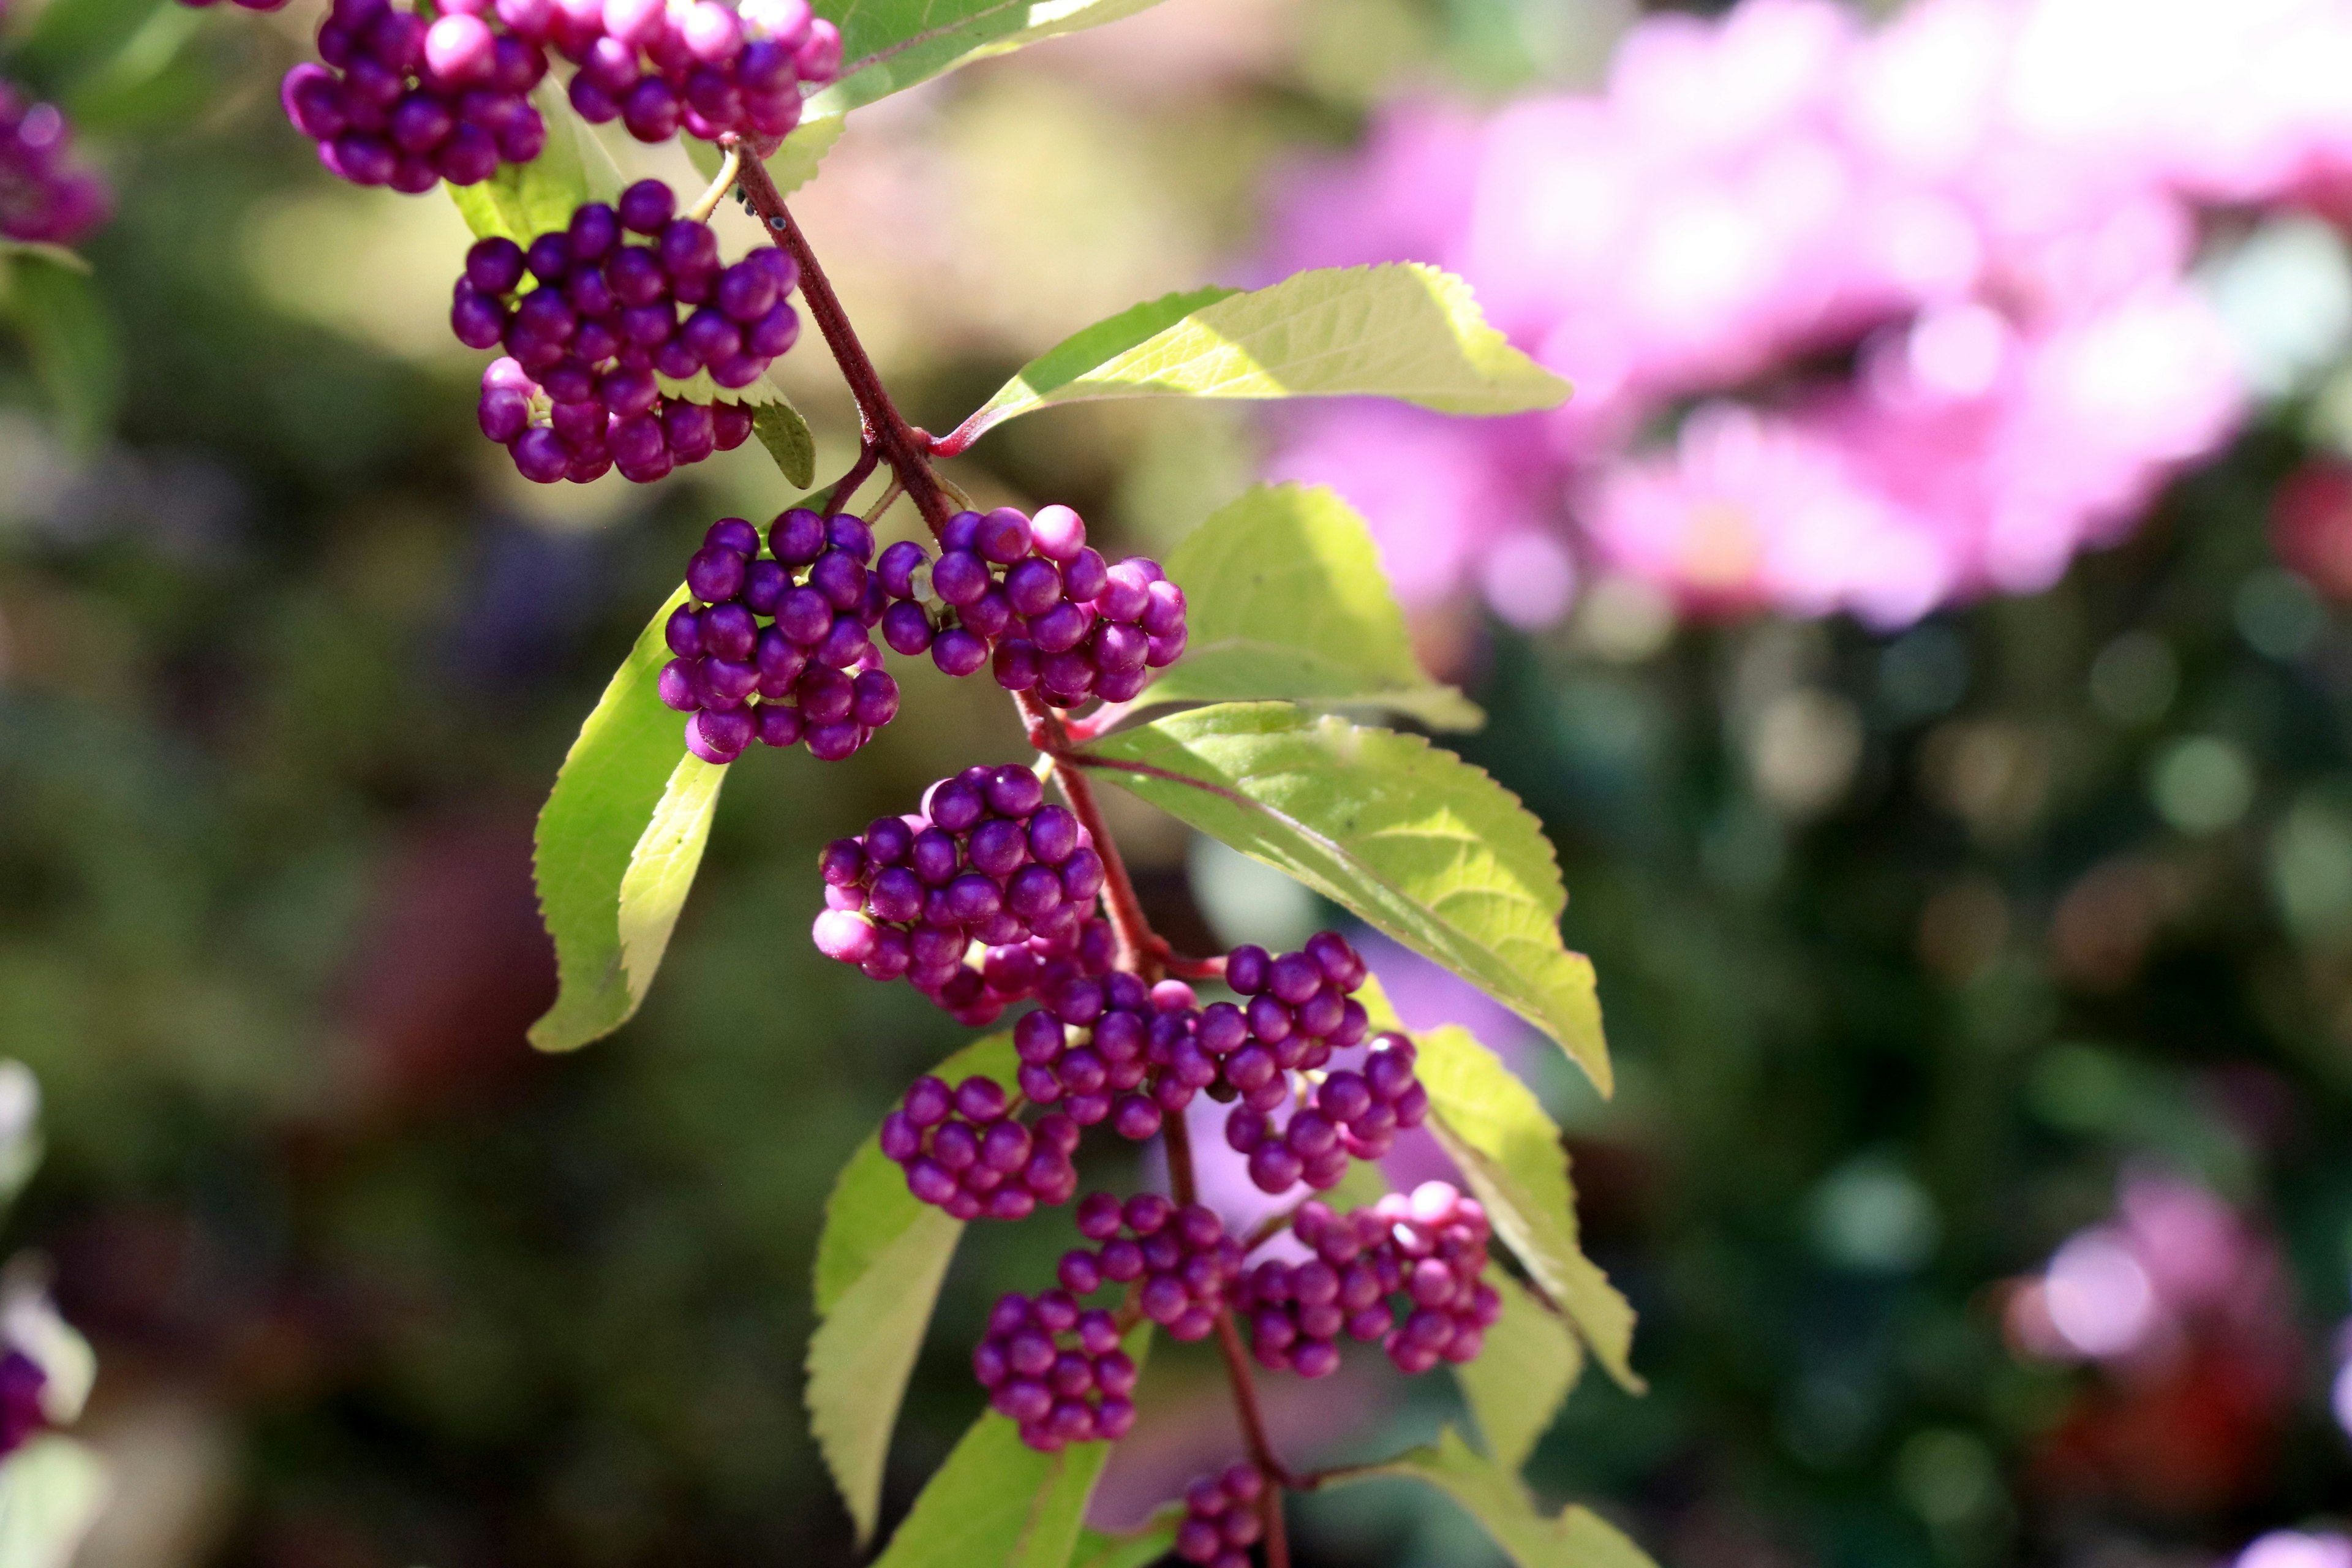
[889, 46]
[51, 1493]
[1516, 1386]
[879, 1261]
[1510, 1151]
[662, 867]
[1414, 839]
[613, 782]
[524, 200]
[1287, 599]
[785, 434]
[1573, 1538]
[998, 1503]
[1402, 330]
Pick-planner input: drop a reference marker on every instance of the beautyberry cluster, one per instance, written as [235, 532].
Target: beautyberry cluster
[963, 1151]
[986, 862]
[21, 1415]
[1057, 1370]
[43, 198]
[1350, 1113]
[407, 102]
[587, 346]
[1113, 1048]
[1186, 1264]
[655, 66]
[1029, 597]
[1221, 1517]
[810, 674]
[1406, 1272]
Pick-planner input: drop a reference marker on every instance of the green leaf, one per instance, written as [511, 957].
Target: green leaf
[880, 1261]
[1520, 1378]
[51, 1493]
[1415, 840]
[1510, 1151]
[795, 164]
[524, 200]
[1573, 1538]
[612, 783]
[662, 867]
[1286, 598]
[1133, 1550]
[998, 1503]
[1402, 330]
[69, 337]
[889, 46]
[785, 434]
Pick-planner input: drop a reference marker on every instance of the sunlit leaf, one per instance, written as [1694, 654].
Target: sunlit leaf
[1135, 1549]
[880, 1261]
[1414, 839]
[662, 867]
[613, 782]
[889, 46]
[1516, 1385]
[1510, 1151]
[524, 200]
[1287, 599]
[785, 434]
[1573, 1538]
[1400, 330]
[51, 1493]
[998, 1503]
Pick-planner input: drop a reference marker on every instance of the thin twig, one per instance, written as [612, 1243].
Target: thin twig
[707, 202]
[847, 487]
[906, 453]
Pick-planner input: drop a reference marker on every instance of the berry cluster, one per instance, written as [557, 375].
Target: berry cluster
[605, 321]
[1186, 1264]
[964, 1151]
[1404, 1271]
[817, 677]
[1057, 1370]
[1032, 599]
[985, 861]
[1353, 1113]
[654, 66]
[1221, 1517]
[21, 1415]
[1113, 1048]
[407, 103]
[42, 199]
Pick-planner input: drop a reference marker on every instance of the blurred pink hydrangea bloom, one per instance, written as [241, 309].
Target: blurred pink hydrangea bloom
[1990, 207]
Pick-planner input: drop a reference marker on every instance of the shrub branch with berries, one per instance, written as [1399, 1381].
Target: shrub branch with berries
[624, 343]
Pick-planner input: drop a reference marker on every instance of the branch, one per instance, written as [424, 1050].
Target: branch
[893, 438]
[1142, 951]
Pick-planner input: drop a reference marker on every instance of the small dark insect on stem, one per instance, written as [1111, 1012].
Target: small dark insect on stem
[908, 451]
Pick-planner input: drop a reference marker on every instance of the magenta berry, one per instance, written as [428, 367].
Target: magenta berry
[408, 104]
[1057, 1369]
[810, 676]
[986, 862]
[965, 1151]
[587, 348]
[44, 196]
[1222, 1518]
[1406, 1272]
[1025, 598]
[1181, 1265]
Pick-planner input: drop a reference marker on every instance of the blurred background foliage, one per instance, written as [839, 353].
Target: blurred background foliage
[1916, 950]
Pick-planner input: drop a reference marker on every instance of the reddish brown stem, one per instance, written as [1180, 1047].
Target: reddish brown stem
[908, 452]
